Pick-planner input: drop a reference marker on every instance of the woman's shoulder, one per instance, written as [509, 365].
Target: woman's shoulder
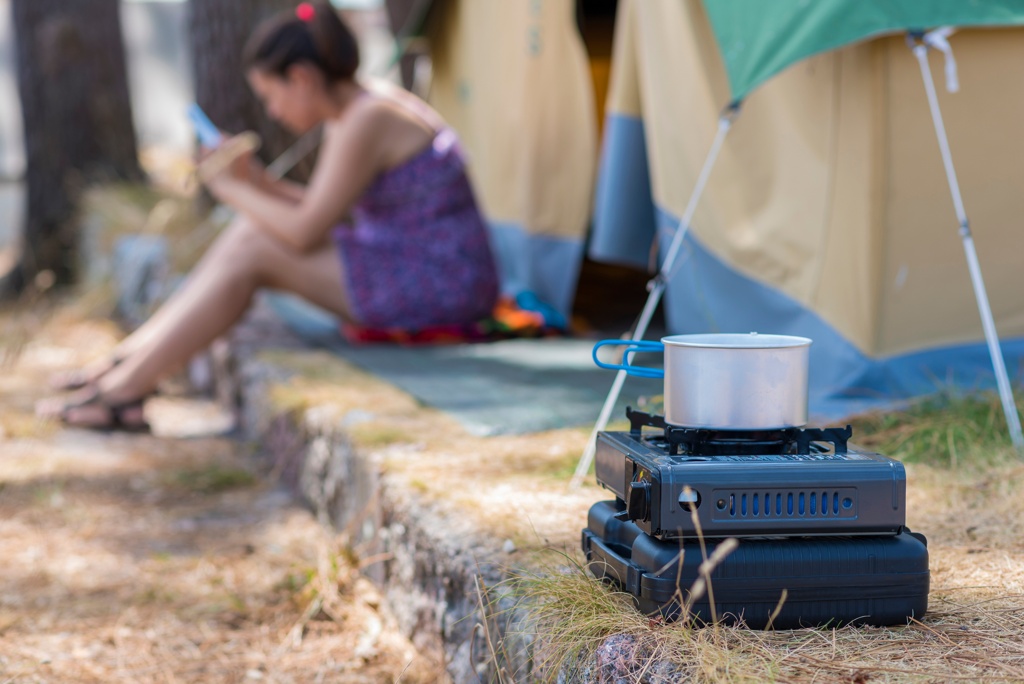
[382, 112]
[368, 106]
[390, 126]
[368, 119]
[386, 93]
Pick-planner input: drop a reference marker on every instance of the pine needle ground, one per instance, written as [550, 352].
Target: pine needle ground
[964, 493]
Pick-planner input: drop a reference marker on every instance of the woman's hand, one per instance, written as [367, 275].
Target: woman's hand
[230, 163]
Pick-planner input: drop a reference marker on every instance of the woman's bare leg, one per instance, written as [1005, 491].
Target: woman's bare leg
[303, 274]
[219, 290]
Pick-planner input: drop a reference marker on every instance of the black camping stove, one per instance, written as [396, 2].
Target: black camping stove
[820, 526]
[784, 482]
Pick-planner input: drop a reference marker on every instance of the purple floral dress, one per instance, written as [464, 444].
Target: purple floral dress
[416, 253]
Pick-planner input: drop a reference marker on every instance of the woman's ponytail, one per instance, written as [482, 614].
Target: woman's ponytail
[335, 45]
[312, 33]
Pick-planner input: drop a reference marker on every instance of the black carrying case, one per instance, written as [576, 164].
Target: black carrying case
[871, 580]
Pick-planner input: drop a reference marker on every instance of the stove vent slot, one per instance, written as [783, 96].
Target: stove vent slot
[776, 504]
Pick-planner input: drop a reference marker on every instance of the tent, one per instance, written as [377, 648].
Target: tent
[828, 212]
[825, 212]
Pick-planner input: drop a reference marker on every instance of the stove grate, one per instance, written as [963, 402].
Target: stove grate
[713, 442]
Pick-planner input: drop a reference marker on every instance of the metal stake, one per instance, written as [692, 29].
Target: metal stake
[920, 51]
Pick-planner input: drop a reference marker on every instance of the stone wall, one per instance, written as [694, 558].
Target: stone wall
[437, 571]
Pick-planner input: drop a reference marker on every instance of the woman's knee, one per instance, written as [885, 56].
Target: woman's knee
[250, 252]
[242, 231]
[237, 249]
[244, 241]
[230, 241]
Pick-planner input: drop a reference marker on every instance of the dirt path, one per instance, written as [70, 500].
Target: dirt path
[141, 559]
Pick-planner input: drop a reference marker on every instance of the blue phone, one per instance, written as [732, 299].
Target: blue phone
[208, 134]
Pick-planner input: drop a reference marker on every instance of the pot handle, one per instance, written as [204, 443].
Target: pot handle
[632, 346]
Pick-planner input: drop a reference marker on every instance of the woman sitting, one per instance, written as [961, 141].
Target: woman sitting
[387, 234]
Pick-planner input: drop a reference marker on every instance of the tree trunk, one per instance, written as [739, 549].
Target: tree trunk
[218, 30]
[73, 85]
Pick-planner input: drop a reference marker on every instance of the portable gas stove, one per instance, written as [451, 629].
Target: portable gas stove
[782, 482]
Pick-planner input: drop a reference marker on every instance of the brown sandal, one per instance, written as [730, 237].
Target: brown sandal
[116, 414]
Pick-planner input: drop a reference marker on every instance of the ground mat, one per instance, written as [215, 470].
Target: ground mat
[510, 386]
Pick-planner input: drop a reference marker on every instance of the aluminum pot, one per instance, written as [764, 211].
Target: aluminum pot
[727, 381]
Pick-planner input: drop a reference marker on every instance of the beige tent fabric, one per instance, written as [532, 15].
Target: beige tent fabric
[513, 79]
[830, 186]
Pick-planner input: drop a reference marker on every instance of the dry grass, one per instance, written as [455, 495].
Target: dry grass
[136, 559]
[964, 637]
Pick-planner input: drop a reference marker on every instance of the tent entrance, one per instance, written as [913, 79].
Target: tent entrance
[596, 22]
[608, 296]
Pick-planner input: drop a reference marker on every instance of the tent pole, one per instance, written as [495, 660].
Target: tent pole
[656, 287]
[920, 51]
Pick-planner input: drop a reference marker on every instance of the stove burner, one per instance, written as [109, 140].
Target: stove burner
[677, 440]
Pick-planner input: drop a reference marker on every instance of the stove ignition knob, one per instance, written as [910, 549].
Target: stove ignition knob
[638, 501]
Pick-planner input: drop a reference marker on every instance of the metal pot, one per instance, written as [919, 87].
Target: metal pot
[727, 381]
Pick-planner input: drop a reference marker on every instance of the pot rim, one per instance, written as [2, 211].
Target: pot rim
[751, 340]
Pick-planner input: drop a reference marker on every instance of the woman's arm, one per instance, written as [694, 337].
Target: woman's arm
[349, 160]
[280, 187]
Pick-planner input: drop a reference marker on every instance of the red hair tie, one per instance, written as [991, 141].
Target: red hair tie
[305, 12]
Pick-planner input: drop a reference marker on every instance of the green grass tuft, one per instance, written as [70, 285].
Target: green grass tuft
[948, 429]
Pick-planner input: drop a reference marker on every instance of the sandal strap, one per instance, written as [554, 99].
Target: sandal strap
[116, 411]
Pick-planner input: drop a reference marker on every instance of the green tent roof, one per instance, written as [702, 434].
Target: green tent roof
[760, 38]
